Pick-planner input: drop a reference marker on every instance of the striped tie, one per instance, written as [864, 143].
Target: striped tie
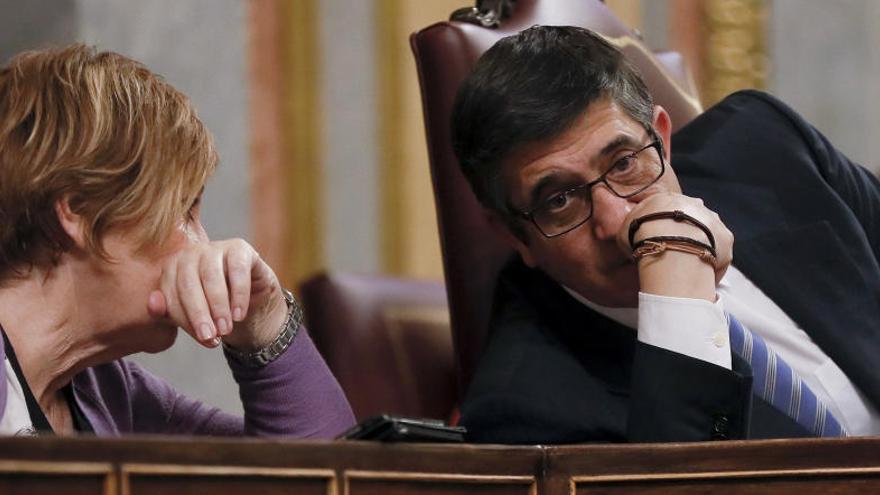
[778, 384]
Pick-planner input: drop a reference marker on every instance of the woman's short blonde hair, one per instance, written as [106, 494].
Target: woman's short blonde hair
[123, 147]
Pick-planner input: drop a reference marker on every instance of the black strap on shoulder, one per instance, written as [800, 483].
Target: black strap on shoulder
[80, 421]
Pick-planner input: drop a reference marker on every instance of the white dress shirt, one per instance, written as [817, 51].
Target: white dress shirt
[698, 329]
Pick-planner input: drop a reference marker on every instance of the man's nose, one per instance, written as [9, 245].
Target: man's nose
[609, 211]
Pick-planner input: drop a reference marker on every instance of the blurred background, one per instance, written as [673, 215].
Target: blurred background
[316, 111]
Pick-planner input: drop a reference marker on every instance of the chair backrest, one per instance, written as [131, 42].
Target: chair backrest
[387, 341]
[445, 53]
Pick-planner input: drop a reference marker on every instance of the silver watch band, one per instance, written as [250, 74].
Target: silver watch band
[271, 352]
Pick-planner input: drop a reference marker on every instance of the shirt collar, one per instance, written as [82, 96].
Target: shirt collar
[628, 317]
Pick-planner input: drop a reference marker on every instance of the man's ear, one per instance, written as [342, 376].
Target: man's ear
[72, 223]
[663, 126]
[502, 229]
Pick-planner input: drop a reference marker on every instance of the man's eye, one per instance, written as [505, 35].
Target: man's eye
[623, 164]
[558, 201]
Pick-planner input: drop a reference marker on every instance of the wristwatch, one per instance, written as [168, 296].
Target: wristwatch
[271, 352]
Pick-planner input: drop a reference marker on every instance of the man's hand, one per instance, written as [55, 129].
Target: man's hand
[221, 289]
[675, 273]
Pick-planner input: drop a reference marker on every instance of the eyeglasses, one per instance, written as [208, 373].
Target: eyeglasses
[627, 176]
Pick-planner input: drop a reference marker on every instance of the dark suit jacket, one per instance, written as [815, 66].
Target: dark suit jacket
[807, 228]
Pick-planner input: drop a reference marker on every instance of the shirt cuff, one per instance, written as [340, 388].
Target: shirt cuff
[692, 327]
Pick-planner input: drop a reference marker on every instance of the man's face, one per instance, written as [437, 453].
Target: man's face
[586, 259]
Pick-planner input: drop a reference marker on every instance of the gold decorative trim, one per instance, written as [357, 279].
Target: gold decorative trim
[736, 54]
[49, 467]
[390, 118]
[166, 469]
[301, 127]
[769, 473]
[624, 41]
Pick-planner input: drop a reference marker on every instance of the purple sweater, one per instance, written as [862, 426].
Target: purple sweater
[295, 395]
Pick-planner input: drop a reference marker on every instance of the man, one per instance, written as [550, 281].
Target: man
[619, 321]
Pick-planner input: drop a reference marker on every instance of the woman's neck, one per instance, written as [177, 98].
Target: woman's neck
[52, 337]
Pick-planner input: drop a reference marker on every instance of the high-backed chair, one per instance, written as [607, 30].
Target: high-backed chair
[387, 341]
[445, 53]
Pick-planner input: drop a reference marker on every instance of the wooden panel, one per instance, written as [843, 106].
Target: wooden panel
[52, 478]
[390, 483]
[50, 484]
[799, 467]
[75, 466]
[224, 485]
[145, 479]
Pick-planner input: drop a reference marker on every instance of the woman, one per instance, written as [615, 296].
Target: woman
[102, 254]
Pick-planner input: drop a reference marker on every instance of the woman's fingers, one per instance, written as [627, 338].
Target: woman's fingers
[211, 289]
[191, 298]
[239, 258]
[213, 280]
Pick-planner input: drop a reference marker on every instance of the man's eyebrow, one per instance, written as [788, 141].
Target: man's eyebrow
[616, 143]
[553, 180]
[549, 181]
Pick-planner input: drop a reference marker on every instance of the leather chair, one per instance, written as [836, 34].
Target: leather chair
[445, 53]
[387, 341]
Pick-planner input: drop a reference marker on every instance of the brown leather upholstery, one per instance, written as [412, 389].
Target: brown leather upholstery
[387, 341]
[445, 53]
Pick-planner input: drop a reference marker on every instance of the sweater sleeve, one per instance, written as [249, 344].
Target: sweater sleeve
[295, 395]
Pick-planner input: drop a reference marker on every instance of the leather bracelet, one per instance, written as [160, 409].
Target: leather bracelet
[657, 245]
[272, 351]
[677, 239]
[678, 216]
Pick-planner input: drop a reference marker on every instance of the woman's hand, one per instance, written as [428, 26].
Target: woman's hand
[221, 290]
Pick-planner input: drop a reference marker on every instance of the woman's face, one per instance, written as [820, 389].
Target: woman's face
[132, 274]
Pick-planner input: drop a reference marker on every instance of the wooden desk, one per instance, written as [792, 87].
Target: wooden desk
[220, 467]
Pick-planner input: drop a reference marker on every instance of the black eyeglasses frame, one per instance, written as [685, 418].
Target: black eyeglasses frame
[529, 215]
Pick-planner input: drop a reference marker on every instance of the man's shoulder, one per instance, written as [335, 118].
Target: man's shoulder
[747, 115]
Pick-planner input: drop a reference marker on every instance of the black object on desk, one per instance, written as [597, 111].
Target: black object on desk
[387, 428]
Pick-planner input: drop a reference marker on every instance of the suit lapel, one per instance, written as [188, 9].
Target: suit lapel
[604, 347]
